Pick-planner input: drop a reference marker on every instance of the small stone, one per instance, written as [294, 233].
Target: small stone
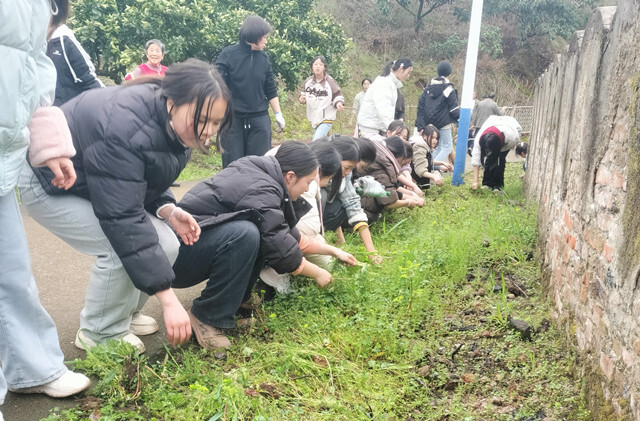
[481, 292]
[521, 326]
[485, 334]
[511, 296]
[544, 325]
[424, 371]
[468, 377]
[220, 355]
[486, 242]
[452, 383]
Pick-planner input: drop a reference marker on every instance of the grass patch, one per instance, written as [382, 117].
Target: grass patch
[424, 336]
[201, 166]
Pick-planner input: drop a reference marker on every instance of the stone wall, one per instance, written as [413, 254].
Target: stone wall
[584, 171]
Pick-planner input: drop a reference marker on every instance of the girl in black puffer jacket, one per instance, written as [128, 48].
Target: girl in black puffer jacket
[248, 221]
[131, 143]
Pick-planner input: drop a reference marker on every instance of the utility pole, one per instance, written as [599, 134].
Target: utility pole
[467, 92]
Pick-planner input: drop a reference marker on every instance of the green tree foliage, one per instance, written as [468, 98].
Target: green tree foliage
[114, 33]
[416, 8]
[535, 18]
[528, 29]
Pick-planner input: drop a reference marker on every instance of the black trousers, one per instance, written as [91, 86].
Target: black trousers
[494, 177]
[227, 257]
[246, 136]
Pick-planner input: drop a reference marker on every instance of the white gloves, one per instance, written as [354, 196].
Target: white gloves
[279, 122]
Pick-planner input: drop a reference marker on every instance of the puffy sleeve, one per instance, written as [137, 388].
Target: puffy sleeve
[278, 241]
[115, 178]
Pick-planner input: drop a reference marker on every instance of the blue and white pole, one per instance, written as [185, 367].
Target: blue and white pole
[467, 92]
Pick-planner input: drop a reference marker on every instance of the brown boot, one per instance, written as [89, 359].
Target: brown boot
[252, 303]
[208, 337]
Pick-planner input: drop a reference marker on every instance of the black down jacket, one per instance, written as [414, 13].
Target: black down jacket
[438, 104]
[125, 161]
[252, 188]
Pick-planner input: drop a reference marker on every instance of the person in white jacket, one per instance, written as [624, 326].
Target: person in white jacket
[497, 136]
[378, 106]
[31, 360]
[323, 98]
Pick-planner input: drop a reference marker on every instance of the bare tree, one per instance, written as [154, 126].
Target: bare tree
[416, 8]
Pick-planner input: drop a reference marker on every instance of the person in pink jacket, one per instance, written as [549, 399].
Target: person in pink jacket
[154, 49]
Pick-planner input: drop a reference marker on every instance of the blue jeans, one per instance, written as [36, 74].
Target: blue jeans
[30, 352]
[445, 145]
[226, 256]
[111, 297]
[322, 130]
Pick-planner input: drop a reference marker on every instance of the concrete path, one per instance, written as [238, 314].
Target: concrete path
[61, 274]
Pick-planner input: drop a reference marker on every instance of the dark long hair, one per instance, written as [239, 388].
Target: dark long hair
[367, 150]
[196, 81]
[396, 145]
[61, 9]
[490, 145]
[397, 126]
[324, 62]
[329, 160]
[347, 147]
[297, 157]
[402, 62]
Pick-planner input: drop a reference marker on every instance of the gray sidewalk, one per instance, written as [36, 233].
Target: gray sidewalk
[61, 274]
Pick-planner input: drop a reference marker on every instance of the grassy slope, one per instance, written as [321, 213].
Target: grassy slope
[380, 342]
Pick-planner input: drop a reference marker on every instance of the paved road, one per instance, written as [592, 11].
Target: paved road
[61, 275]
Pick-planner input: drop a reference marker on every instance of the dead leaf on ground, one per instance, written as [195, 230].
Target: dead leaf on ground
[270, 390]
[251, 392]
[468, 377]
[320, 360]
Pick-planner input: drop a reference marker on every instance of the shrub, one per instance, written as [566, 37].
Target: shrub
[114, 32]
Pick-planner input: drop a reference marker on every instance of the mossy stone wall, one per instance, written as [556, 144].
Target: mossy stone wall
[584, 171]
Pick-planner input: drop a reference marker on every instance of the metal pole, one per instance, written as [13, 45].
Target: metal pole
[467, 92]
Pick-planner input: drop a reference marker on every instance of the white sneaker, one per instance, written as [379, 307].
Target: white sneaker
[84, 342]
[142, 325]
[281, 282]
[1, 417]
[68, 384]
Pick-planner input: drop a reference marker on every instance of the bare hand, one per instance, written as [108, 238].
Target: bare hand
[63, 171]
[186, 227]
[376, 259]
[178, 325]
[323, 279]
[302, 99]
[340, 106]
[346, 258]
[176, 318]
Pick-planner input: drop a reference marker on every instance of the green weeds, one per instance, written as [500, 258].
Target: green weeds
[424, 336]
